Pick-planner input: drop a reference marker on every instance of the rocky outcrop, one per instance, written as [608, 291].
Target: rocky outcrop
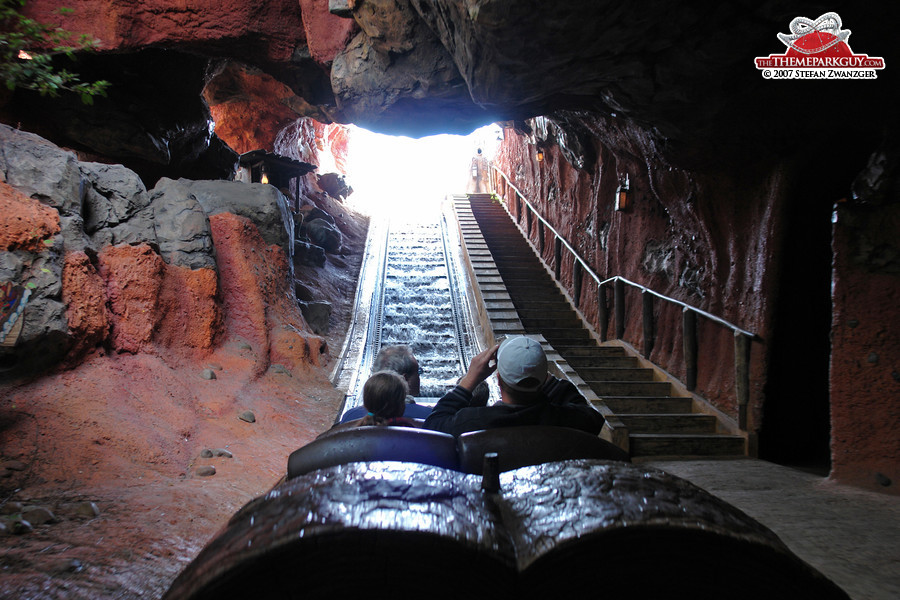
[113, 266]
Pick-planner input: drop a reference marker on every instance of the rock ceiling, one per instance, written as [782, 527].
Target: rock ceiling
[674, 79]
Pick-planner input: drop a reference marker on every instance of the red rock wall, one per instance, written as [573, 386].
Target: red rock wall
[257, 298]
[265, 30]
[680, 239]
[865, 359]
[138, 303]
[33, 225]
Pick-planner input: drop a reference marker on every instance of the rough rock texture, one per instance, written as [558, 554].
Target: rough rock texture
[242, 120]
[749, 244]
[865, 360]
[258, 301]
[395, 73]
[115, 206]
[32, 223]
[132, 271]
[123, 433]
[84, 293]
[263, 204]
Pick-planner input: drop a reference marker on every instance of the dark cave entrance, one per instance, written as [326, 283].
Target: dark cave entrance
[796, 423]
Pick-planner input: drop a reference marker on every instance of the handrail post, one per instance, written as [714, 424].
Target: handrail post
[647, 314]
[689, 337]
[528, 219]
[742, 377]
[518, 208]
[557, 256]
[619, 307]
[602, 311]
[576, 282]
[541, 234]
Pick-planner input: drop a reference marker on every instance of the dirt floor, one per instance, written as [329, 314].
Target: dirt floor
[117, 450]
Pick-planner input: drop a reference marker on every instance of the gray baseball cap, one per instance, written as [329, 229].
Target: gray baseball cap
[520, 358]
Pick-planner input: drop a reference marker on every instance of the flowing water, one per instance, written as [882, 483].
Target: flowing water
[411, 292]
[418, 309]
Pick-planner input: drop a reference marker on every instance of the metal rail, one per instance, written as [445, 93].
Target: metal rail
[742, 337]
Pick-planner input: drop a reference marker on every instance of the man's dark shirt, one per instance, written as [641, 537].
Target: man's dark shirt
[564, 406]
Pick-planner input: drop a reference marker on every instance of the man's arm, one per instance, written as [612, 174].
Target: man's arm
[443, 415]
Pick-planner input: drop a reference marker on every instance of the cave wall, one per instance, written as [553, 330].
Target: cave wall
[753, 246]
[865, 358]
[680, 238]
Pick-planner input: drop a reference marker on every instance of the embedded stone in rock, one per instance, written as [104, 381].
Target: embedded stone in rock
[115, 209]
[247, 416]
[182, 228]
[303, 292]
[334, 185]
[309, 254]
[20, 527]
[310, 212]
[276, 368]
[208, 374]
[86, 509]
[317, 313]
[206, 453]
[205, 470]
[221, 453]
[324, 234]
[11, 507]
[38, 515]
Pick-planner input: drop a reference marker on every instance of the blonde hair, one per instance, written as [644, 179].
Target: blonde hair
[384, 396]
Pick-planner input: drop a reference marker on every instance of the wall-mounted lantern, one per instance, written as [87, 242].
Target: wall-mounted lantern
[540, 155]
[623, 195]
[265, 176]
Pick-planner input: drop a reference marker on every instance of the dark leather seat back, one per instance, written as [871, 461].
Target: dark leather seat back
[362, 444]
[532, 445]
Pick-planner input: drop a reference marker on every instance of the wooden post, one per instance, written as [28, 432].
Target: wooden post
[576, 281]
[557, 256]
[619, 307]
[689, 337]
[742, 377]
[602, 311]
[649, 333]
[541, 234]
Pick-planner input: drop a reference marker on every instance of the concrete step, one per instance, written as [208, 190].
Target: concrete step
[615, 374]
[630, 388]
[588, 350]
[551, 321]
[651, 405]
[591, 362]
[669, 423]
[657, 444]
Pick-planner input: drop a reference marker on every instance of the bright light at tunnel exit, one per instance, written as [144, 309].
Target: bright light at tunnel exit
[396, 175]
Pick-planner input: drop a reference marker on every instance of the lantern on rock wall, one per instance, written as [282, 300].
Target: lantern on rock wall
[623, 195]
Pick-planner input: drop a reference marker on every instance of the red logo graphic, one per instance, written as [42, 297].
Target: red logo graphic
[818, 50]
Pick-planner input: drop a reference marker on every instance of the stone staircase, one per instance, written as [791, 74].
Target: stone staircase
[519, 296]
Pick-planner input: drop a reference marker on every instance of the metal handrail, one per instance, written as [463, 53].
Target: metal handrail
[742, 337]
[571, 250]
[614, 278]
